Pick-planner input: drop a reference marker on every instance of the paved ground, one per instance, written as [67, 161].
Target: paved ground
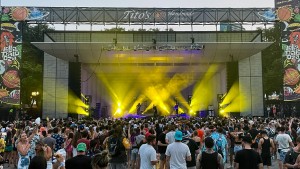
[274, 166]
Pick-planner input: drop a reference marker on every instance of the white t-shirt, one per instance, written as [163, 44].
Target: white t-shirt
[178, 152]
[147, 154]
[283, 142]
[170, 136]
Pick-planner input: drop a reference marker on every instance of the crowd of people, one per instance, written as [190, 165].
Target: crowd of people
[148, 143]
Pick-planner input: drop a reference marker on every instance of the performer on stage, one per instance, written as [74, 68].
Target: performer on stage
[138, 109]
[155, 111]
[211, 111]
[176, 108]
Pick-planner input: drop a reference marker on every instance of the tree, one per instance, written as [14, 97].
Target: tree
[32, 61]
[272, 65]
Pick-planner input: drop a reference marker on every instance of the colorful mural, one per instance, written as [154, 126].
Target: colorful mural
[11, 52]
[288, 14]
[11, 49]
[23, 13]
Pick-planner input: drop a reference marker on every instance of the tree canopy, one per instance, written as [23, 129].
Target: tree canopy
[32, 61]
[272, 61]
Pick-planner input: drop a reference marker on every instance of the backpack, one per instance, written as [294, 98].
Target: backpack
[218, 144]
[114, 147]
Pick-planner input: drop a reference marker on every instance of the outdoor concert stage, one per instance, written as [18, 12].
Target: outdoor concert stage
[110, 72]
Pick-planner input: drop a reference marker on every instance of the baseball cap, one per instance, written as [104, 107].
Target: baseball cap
[178, 135]
[81, 147]
[81, 127]
[42, 129]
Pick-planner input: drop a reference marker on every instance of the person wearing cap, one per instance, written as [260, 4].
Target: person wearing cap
[84, 139]
[147, 153]
[177, 153]
[264, 145]
[209, 159]
[247, 158]
[81, 160]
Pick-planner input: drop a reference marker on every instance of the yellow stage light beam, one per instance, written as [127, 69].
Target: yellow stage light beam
[231, 95]
[204, 90]
[238, 101]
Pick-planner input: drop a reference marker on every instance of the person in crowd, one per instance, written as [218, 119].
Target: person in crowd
[247, 158]
[292, 158]
[177, 153]
[170, 135]
[147, 154]
[200, 131]
[81, 160]
[59, 140]
[162, 147]
[8, 147]
[14, 155]
[68, 145]
[117, 145]
[84, 139]
[51, 142]
[137, 139]
[221, 144]
[283, 142]
[194, 149]
[23, 149]
[43, 154]
[264, 146]
[209, 159]
[100, 160]
[33, 139]
[196, 138]
[75, 139]
[2, 149]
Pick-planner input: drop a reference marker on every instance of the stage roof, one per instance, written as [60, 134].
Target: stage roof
[145, 53]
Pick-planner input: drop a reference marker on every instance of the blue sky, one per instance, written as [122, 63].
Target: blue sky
[143, 3]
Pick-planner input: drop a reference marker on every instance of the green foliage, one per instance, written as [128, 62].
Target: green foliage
[32, 61]
[272, 65]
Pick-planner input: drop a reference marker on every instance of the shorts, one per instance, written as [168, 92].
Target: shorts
[162, 157]
[281, 155]
[237, 148]
[266, 160]
[133, 154]
[117, 165]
